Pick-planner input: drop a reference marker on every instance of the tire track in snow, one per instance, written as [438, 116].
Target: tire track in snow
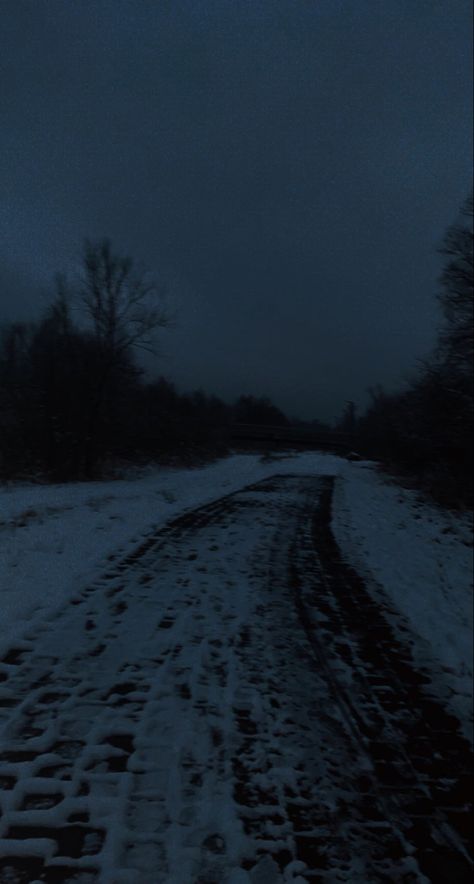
[209, 711]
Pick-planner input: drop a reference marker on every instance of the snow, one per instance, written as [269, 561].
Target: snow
[56, 539]
[422, 557]
[193, 666]
[162, 667]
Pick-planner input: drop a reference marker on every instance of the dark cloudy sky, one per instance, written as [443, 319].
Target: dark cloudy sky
[288, 166]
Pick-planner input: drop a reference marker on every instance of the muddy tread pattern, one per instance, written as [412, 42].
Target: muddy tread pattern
[302, 718]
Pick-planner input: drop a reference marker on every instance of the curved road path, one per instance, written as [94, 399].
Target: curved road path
[229, 705]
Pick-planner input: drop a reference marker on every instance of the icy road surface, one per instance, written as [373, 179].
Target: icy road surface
[229, 705]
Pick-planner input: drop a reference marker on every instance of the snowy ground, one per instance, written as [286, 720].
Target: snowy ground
[56, 539]
[197, 685]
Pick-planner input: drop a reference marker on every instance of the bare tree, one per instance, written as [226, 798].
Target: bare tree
[347, 423]
[456, 339]
[126, 307]
[427, 429]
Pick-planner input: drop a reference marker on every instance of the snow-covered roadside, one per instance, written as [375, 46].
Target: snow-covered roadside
[422, 556]
[55, 539]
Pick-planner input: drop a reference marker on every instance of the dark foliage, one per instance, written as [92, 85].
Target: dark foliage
[254, 410]
[427, 430]
[67, 408]
[72, 399]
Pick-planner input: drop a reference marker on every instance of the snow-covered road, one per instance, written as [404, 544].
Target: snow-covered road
[227, 704]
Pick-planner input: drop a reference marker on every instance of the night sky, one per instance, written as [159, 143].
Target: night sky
[287, 167]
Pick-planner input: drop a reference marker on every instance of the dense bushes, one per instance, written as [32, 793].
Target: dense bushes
[72, 398]
[427, 431]
[67, 406]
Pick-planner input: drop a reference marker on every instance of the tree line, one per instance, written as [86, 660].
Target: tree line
[426, 431]
[73, 398]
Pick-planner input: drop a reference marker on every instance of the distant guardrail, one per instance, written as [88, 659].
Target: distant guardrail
[301, 436]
